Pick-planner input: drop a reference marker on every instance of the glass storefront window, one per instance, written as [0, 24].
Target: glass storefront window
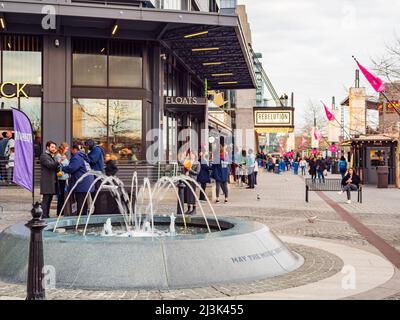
[8, 103]
[22, 66]
[90, 121]
[125, 71]
[89, 70]
[378, 158]
[172, 138]
[33, 109]
[115, 125]
[125, 128]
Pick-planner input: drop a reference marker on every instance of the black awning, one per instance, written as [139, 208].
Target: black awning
[215, 53]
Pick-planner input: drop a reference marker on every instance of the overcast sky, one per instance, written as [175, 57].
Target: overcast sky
[307, 44]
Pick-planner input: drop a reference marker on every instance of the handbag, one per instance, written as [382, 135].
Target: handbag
[71, 207]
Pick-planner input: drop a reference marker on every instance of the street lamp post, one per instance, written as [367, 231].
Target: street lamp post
[35, 289]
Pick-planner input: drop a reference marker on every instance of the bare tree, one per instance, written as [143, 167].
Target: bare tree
[388, 65]
[314, 110]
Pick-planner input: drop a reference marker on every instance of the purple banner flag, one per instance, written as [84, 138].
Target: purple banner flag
[23, 163]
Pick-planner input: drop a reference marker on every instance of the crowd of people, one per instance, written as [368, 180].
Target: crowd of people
[60, 174]
[316, 166]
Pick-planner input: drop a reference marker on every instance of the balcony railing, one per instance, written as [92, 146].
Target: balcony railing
[184, 5]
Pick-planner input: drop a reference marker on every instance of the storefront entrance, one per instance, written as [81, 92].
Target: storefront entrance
[376, 157]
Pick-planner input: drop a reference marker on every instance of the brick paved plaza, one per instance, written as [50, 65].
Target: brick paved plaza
[328, 245]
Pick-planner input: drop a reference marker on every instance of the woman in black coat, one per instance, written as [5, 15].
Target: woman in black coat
[204, 175]
[192, 171]
[313, 169]
[111, 166]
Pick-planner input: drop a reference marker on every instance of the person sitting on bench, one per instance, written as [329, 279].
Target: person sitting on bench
[350, 182]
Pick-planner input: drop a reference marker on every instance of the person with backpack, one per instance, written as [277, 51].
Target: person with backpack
[77, 167]
[342, 166]
[96, 156]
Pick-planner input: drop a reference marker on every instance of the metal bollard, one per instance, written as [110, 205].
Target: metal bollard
[35, 289]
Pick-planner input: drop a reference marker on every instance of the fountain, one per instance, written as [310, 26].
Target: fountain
[143, 248]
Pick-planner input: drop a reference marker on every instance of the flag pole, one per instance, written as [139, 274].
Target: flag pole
[341, 127]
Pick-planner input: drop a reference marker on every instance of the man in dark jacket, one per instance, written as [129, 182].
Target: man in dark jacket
[48, 177]
[321, 167]
[78, 166]
[96, 156]
[350, 182]
[204, 176]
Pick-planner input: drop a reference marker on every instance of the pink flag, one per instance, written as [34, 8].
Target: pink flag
[316, 135]
[329, 114]
[376, 82]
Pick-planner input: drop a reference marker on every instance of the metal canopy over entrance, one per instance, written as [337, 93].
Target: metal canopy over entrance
[214, 53]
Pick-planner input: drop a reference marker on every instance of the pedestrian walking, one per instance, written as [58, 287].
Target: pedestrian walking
[256, 169]
[204, 175]
[221, 175]
[63, 177]
[313, 169]
[10, 144]
[192, 170]
[303, 166]
[342, 166]
[111, 165]
[3, 158]
[77, 167]
[250, 165]
[10, 166]
[49, 167]
[321, 167]
[296, 167]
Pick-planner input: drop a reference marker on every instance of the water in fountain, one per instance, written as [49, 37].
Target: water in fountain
[107, 229]
[134, 214]
[172, 230]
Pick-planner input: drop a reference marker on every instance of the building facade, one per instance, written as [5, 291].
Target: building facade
[112, 72]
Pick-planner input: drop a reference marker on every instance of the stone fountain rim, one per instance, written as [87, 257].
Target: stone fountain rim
[239, 228]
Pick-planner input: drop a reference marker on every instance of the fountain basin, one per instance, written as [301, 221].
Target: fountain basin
[242, 251]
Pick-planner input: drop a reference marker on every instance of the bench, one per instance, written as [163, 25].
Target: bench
[328, 185]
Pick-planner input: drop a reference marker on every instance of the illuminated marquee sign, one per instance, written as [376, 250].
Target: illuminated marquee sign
[11, 90]
[273, 117]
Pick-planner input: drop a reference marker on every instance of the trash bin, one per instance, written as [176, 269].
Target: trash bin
[383, 177]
